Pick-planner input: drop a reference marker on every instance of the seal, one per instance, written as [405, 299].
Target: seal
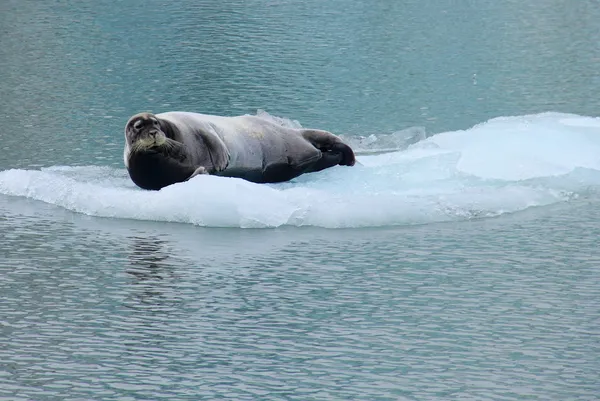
[172, 147]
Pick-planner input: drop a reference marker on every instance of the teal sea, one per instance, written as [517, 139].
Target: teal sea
[459, 260]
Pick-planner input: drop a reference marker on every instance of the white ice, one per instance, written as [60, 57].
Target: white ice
[504, 165]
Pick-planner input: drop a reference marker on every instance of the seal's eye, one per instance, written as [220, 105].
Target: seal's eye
[138, 124]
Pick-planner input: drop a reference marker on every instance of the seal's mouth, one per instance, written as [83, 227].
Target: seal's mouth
[144, 132]
[149, 139]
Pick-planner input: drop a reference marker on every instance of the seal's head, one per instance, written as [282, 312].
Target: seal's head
[144, 131]
[153, 156]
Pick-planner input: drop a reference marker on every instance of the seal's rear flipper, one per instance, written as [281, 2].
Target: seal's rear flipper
[346, 152]
[338, 153]
[328, 159]
[333, 149]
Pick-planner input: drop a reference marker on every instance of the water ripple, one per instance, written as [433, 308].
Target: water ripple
[476, 311]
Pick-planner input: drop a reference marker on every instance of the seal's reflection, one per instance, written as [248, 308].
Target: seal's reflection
[153, 271]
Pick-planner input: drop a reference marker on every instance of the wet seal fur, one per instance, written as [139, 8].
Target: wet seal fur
[172, 147]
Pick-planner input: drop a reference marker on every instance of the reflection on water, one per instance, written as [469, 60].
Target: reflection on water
[151, 270]
[148, 259]
[432, 312]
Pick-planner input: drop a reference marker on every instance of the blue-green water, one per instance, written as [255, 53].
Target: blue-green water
[462, 263]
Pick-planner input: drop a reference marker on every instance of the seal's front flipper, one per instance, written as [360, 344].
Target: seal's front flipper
[218, 155]
[199, 170]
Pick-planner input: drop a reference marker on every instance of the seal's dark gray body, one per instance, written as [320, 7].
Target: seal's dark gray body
[172, 147]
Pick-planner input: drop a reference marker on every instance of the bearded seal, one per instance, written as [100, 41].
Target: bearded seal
[166, 148]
